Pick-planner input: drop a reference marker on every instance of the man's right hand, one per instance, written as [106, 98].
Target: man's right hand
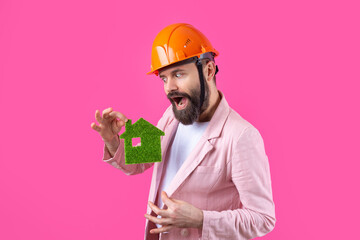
[110, 124]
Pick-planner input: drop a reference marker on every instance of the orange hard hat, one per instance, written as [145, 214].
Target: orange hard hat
[178, 42]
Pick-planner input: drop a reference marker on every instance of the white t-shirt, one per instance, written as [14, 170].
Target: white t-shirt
[186, 138]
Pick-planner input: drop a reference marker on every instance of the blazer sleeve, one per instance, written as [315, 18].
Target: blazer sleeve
[118, 160]
[250, 174]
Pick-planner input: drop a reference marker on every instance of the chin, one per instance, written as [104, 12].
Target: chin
[186, 116]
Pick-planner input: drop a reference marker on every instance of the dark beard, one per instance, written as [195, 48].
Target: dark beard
[192, 111]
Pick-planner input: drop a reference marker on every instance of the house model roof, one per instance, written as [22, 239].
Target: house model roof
[140, 128]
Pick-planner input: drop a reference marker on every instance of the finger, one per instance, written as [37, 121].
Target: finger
[177, 201]
[118, 115]
[116, 127]
[157, 210]
[161, 230]
[95, 127]
[105, 113]
[166, 200]
[120, 123]
[98, 117]
[161, 221]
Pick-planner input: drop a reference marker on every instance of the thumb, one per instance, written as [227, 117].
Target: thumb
[166, 199]
[120, 123]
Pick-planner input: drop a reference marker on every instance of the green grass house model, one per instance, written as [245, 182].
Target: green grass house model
[149, 149]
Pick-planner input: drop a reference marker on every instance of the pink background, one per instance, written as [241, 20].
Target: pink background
[291, 68]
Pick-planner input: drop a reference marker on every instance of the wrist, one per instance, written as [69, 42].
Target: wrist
[201, 219]
[113, 144]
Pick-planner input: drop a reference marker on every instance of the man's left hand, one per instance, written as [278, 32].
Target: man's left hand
[178, 214]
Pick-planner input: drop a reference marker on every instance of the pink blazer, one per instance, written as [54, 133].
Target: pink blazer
[227, 175]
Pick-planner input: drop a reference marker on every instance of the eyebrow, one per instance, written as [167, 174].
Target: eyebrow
[173, 72]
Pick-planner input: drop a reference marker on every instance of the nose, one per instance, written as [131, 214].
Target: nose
[171, 85]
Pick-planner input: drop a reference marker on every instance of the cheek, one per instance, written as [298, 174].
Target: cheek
[165, 89]
[195, 81]
[187, 83]
[193, 84]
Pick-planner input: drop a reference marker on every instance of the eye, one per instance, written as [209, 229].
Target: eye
[178, 75]
[163, 79]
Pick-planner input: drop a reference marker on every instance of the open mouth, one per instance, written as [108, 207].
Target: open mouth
[180, 102]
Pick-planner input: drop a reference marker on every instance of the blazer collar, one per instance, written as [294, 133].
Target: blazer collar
[217, 121]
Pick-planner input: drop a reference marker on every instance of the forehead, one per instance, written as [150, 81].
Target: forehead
[171, 69]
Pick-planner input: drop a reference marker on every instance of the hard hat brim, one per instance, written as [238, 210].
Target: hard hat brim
[186, 60]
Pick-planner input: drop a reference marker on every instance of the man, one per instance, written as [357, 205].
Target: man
[214, 181]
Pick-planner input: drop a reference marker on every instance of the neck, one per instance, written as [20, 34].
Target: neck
[213, 104]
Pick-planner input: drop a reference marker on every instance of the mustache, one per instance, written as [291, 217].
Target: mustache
[177, 94]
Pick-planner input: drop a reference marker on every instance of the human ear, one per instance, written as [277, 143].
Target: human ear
[210, 70]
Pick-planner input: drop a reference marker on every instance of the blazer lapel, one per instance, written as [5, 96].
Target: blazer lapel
[191, 162]
[159, 166]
